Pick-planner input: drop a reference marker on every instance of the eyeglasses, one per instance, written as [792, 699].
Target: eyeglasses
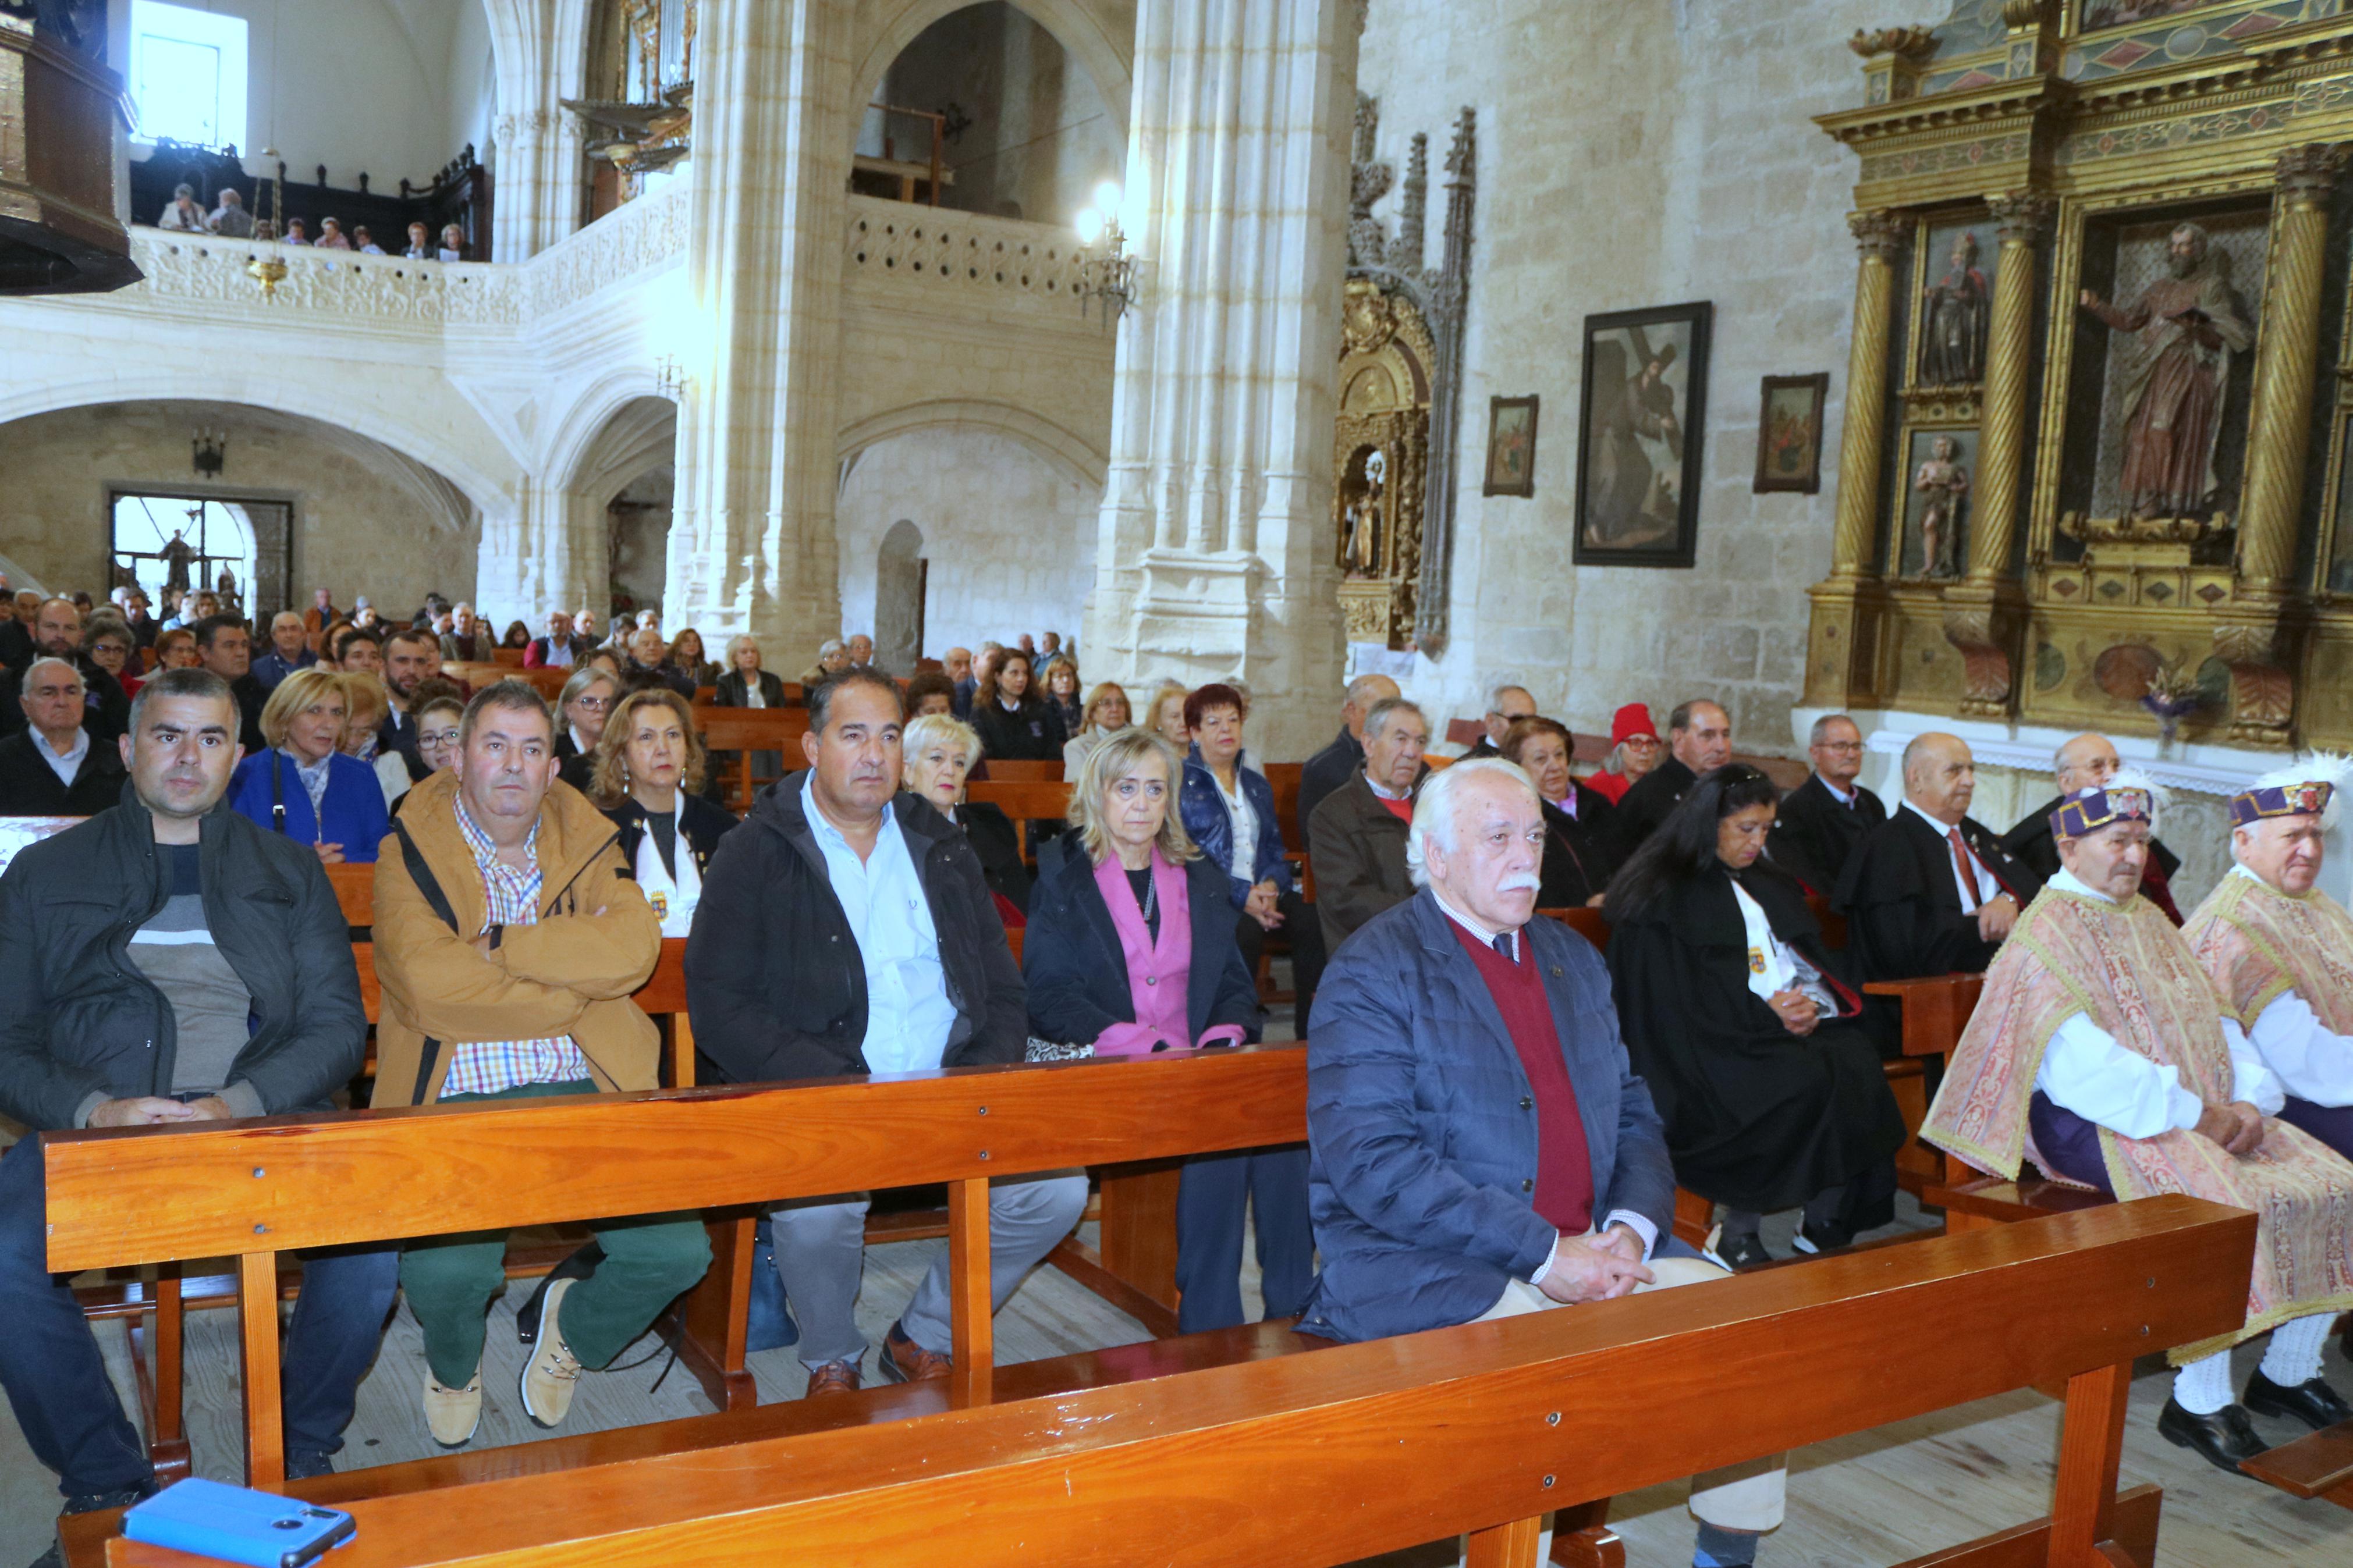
[1842, 745]
[593, 704]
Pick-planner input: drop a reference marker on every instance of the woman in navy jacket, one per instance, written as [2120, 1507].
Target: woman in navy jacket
[303, 785]
[1130, 950]
[1222, 796]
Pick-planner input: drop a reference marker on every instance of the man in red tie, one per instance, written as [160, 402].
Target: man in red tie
[1932, 891]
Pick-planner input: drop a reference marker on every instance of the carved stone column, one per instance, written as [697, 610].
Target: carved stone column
[1840, 646]
[2277, 435]
[2250, 639]
[752, 539]
[1880, 236]
[1214, 553]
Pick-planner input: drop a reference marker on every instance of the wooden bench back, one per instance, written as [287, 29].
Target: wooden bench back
[753, 730]
[1024, 802]
[548, 683]
[1282, 778]
[1016, 769]
[1462, 1429]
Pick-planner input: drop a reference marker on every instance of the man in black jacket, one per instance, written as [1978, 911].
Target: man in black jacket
[844, 931]
[57, 632]
[1822, 819]
[1931, 890]
[1506, 706]
[225, 648]
[2087, 761]
[1699, 738]
[168, 962]
[1338, 762]
[53, 768]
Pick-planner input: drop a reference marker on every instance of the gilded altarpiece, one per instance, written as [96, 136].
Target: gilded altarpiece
[2093, 471]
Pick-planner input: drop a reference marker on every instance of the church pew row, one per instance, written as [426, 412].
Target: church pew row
[249, 1190]
[1485, 1429]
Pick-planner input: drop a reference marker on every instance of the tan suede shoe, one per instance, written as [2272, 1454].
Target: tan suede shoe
[553, 1374]
[452, 1414]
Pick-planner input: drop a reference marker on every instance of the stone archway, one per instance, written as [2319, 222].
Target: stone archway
[899, 571]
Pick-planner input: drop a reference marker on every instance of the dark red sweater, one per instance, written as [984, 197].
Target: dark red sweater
[1563, 1194]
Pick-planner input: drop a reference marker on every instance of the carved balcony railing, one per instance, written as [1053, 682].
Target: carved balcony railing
[963, 258]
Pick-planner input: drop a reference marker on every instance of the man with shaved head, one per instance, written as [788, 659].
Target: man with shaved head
[2084, 763]
[1931, 890]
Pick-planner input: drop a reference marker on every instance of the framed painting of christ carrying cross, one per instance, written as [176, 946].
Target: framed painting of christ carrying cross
[1639, 436]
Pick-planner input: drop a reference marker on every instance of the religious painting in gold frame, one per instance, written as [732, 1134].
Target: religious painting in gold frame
[1789, 433]
[1511, 447]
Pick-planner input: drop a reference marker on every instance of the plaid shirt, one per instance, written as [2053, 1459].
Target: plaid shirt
[485, 1066]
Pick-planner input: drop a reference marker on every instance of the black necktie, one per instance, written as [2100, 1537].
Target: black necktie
[1504, 946]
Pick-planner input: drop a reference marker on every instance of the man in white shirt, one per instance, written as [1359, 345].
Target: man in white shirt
[2101, 1050]
[51, 768]
[847, 931]
[185, 213]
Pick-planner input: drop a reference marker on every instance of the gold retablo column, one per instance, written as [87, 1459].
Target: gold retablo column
[2283, 370]
[1880, 235]
[2001, 441]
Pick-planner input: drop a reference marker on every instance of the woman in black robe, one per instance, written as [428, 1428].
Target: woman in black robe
[1752, 1045]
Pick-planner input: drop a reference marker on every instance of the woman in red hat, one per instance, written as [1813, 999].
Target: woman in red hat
[1633, 752]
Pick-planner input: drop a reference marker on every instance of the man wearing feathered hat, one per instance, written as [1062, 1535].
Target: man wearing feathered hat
[2101, 1051]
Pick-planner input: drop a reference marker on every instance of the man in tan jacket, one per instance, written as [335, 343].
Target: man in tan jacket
[507, 938]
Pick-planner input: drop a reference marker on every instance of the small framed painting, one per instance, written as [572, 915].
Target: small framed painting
[1511, 447]
[1790, 433]
[1639, 437]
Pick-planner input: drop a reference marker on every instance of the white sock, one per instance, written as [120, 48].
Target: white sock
[2293, 1354]
[2204, 1386]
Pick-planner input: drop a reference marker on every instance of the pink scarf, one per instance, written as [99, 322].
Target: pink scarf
[1158, 972]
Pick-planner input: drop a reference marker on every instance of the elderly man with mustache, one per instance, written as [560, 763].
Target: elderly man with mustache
[1479, 1144]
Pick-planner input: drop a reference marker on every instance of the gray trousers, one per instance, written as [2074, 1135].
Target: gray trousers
[821, 1256]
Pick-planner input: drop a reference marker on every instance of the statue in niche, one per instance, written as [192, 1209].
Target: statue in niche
[1956, 309]
[2171, 374]
[177, 557]
[1942, 483]
[231, 602]
[1361, 546]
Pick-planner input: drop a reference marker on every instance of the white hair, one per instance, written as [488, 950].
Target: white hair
[1495, 695]
[1433, 809]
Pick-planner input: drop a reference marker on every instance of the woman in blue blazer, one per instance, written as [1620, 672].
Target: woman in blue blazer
[1130, 950]
[1224, 802]
[303, 785]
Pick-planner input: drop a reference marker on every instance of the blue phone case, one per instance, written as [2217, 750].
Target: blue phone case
[237, 1525]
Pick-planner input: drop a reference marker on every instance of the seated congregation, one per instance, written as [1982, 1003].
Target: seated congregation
[1503, 1114]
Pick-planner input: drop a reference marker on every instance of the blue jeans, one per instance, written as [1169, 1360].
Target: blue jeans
[56, 1378]
[1211, 1200]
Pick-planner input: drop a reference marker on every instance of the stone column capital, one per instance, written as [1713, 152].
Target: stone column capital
[1878, 235]
[2307, 175]
[2020, 216]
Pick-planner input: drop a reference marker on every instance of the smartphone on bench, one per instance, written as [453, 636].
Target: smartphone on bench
[212, 1520]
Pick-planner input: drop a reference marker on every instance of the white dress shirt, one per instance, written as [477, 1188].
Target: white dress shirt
[908, 1014]
[2086, 1071]
[2311, 1061]
[1988, 887]
[66, 764]
[1644, 1231]
[1244, 819]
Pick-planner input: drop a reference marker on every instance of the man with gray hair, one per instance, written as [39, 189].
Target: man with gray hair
[1480, 1146]
[2087, 762]
[1356, 838]
[186, 214]
[1506, 705]
[290, 650]
[53, 768]
[1333, 766]
[1822, 819]
[230, 220]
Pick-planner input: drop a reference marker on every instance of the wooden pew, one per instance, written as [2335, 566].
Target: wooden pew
[742, 731]
[250, 1190]
[548, 683]
[508, 658]
[1936, 1011]
[1025, 802]
[1014, 770]
[1406, 1439]
[1283, 779]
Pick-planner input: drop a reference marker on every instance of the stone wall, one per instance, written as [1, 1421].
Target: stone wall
[1646, 153]
[366, 520]
[1009, 533]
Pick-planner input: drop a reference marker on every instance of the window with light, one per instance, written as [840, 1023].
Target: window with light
[187, 74]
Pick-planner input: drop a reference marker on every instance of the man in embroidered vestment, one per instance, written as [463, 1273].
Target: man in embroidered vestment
[2101, 1051]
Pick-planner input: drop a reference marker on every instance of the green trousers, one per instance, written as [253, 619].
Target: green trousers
[450, 1280]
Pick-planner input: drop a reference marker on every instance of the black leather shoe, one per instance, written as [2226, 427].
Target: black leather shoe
[579, 1266]
[1745, 1252]
[2223, 1439]
[2315, 1404]
[309, 1467]
[1814, 1242]
[91, 1502]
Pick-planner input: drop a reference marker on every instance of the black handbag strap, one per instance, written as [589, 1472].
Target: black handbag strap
[277, 793]
[430, 886]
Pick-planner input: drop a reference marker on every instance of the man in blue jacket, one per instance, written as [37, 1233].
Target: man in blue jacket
[168, 962]
[1480, 1146]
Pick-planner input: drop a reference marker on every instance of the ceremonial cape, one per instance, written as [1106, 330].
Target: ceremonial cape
[2125, 968]
[2259, 943]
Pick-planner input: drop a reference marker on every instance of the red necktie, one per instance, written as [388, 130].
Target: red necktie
[1966, 866]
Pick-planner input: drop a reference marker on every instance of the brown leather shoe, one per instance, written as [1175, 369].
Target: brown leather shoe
[905, 1360]
[834, 1377]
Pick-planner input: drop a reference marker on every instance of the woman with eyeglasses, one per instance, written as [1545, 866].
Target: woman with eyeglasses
[581, 712]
